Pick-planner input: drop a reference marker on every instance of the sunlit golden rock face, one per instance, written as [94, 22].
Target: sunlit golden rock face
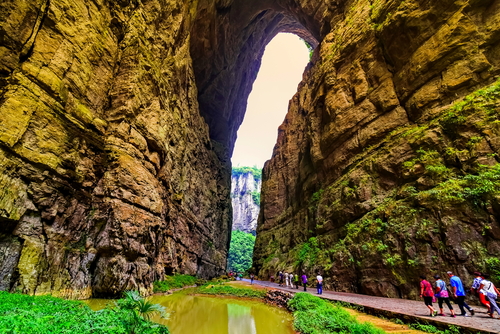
[118, 120]
[379, 173]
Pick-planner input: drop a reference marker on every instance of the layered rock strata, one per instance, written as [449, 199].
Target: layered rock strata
[112, 173]
[118, 119]
[380, 172]
[245, 198]
[108, 177]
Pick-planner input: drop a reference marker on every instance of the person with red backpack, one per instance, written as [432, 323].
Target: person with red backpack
[427, 293]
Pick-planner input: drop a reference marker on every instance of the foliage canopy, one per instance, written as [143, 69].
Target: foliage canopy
[240, 251]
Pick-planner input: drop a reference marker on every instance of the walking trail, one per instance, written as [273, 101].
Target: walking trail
[406, 310]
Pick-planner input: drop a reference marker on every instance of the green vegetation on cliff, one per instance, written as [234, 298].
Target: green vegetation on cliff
[174, 282]
[240, 251]
[255, 171]
[257, 175]
[314, 315]
[44, 314]
[256, 197]
[437, 203]
[226, 290]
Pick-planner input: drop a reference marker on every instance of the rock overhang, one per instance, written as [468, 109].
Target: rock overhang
[228, 39]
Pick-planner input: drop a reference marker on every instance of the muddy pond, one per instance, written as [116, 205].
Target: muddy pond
[216, 315]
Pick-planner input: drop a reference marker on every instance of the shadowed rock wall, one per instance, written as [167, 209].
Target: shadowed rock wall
[379, 173]
[118, 119]
[108, 176]
[111, 173]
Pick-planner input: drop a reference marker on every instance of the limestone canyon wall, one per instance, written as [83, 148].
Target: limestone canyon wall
[245, 188]
[108, 177]
[382, 171]
[118, 119]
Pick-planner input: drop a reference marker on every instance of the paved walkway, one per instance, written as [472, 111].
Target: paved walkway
[407, 310]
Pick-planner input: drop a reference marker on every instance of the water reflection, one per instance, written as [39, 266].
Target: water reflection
[240, 320]
[210, 315]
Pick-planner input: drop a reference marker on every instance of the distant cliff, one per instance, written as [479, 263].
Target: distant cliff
[245, 195]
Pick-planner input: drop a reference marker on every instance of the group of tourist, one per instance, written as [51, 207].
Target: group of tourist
[482, 287]
[293, 279]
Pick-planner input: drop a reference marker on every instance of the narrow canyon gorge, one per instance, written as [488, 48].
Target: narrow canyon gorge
[118, 120]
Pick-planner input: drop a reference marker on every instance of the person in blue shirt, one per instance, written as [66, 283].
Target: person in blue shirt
[458, 293]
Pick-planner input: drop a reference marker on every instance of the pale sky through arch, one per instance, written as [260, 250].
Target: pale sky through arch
[283, 64]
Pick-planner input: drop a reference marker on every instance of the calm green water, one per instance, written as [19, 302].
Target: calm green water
[210, 315]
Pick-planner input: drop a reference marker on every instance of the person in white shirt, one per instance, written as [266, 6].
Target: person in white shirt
[287, 279]
[491, 293]
[319, 285]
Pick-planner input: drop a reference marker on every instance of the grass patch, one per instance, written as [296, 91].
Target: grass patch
[314, 315]
[225, 290]
[45, 314]
[174, 282]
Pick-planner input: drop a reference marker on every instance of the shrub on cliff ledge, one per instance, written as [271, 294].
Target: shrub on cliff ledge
[174, 282]
[314, 315]
[256, 172]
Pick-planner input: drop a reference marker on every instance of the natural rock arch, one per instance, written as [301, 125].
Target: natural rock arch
[119, 117]
[227, 43]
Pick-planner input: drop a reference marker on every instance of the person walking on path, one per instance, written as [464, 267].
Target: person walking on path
[427, 293]
[252, 276]
[296, 281]
[319, 285]
[491, 292]
[459, 294]
[476, 288]
[281, 278]
[287, 280]
[304, 280]
[442, 296]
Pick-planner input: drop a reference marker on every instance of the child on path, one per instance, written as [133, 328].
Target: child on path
[296, 280]
[304, 280]
[442, 296]
[491, 292]
[427, 293]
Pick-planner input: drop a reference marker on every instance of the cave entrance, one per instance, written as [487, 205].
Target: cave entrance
[283, 64]
[227, 45]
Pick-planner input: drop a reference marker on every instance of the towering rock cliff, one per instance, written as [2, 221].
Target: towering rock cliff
[245, 195]
[108, 176]
[118, 119]
[382, 171]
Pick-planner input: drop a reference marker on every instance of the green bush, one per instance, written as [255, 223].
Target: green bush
[256, 197]
[256, 172]
[314, 315]
[493, 267]
[230, 291]
[22, 314]
[174, 282]
[240, 251]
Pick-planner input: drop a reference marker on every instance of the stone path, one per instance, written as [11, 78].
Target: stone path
[406, 310]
